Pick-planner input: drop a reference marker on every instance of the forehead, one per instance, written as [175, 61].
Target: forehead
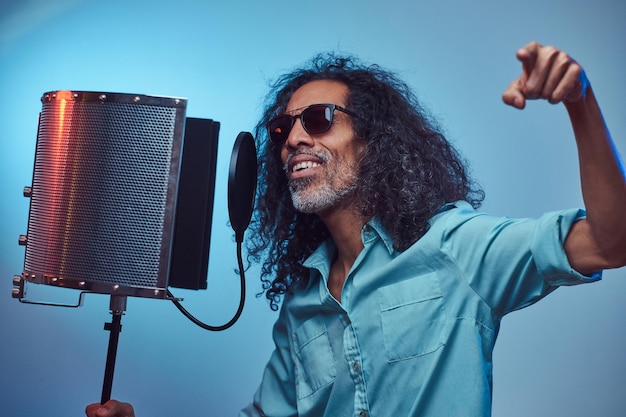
[316, 92]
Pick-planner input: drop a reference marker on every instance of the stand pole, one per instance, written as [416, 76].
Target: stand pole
[118, 306]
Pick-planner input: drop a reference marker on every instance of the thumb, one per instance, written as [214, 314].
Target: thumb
[513, 95]
[91, 409]
[111, 408]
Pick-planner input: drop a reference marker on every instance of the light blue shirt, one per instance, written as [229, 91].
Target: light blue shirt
[414, 332]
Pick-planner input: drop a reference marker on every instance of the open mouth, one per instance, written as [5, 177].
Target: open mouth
[304, 165]
[299, 164]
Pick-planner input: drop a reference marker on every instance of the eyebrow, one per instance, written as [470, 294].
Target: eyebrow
[291, 112]
[299, 108]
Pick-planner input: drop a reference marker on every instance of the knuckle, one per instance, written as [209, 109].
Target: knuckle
[563, 59]
[532, 87]
[577, 69]
[551, 52]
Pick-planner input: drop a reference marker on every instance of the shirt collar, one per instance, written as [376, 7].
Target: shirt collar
[319, 260]
[370, 232]
[374, 230]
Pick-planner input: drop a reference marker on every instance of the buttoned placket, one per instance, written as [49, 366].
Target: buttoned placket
[351, 350]
[350, 342]
[353, 357]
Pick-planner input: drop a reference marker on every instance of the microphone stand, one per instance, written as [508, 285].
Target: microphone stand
[117, 306]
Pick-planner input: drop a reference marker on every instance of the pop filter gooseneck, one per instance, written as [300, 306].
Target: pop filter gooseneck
[242, 178]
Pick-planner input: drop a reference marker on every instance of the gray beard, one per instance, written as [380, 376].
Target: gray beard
[309, 197]
[319, 199]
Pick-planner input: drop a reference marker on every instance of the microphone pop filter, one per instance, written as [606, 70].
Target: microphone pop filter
[242, 178]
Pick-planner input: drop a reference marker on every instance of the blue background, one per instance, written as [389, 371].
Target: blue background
[563, 356]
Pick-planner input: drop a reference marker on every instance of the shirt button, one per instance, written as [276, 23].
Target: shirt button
[355, 366]
[363, 413]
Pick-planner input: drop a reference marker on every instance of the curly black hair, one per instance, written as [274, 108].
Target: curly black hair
[408, 172]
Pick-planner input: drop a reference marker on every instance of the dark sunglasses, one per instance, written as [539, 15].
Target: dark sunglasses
[316, 119]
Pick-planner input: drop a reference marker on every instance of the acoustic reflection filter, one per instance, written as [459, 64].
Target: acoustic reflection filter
[104, 191]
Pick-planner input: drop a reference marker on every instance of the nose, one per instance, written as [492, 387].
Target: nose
[298, 136]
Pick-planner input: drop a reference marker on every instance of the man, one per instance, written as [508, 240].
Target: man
[393, 285]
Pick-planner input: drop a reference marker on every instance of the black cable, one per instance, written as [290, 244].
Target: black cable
[242, 299]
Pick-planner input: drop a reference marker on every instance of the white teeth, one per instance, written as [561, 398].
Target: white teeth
[304, 165]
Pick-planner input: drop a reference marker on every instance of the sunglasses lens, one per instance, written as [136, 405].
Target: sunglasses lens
[317, 119]
[279, 128]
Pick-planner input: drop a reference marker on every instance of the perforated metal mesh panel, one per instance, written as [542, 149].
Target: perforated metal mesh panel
[104, 191]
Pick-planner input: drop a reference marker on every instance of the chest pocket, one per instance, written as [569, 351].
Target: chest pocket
[412, 317]
[315, 365]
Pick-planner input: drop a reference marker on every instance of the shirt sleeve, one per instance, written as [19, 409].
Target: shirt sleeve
[276, 395]
[511, 263]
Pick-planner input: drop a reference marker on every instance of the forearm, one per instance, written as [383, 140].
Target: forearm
[600, 241]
